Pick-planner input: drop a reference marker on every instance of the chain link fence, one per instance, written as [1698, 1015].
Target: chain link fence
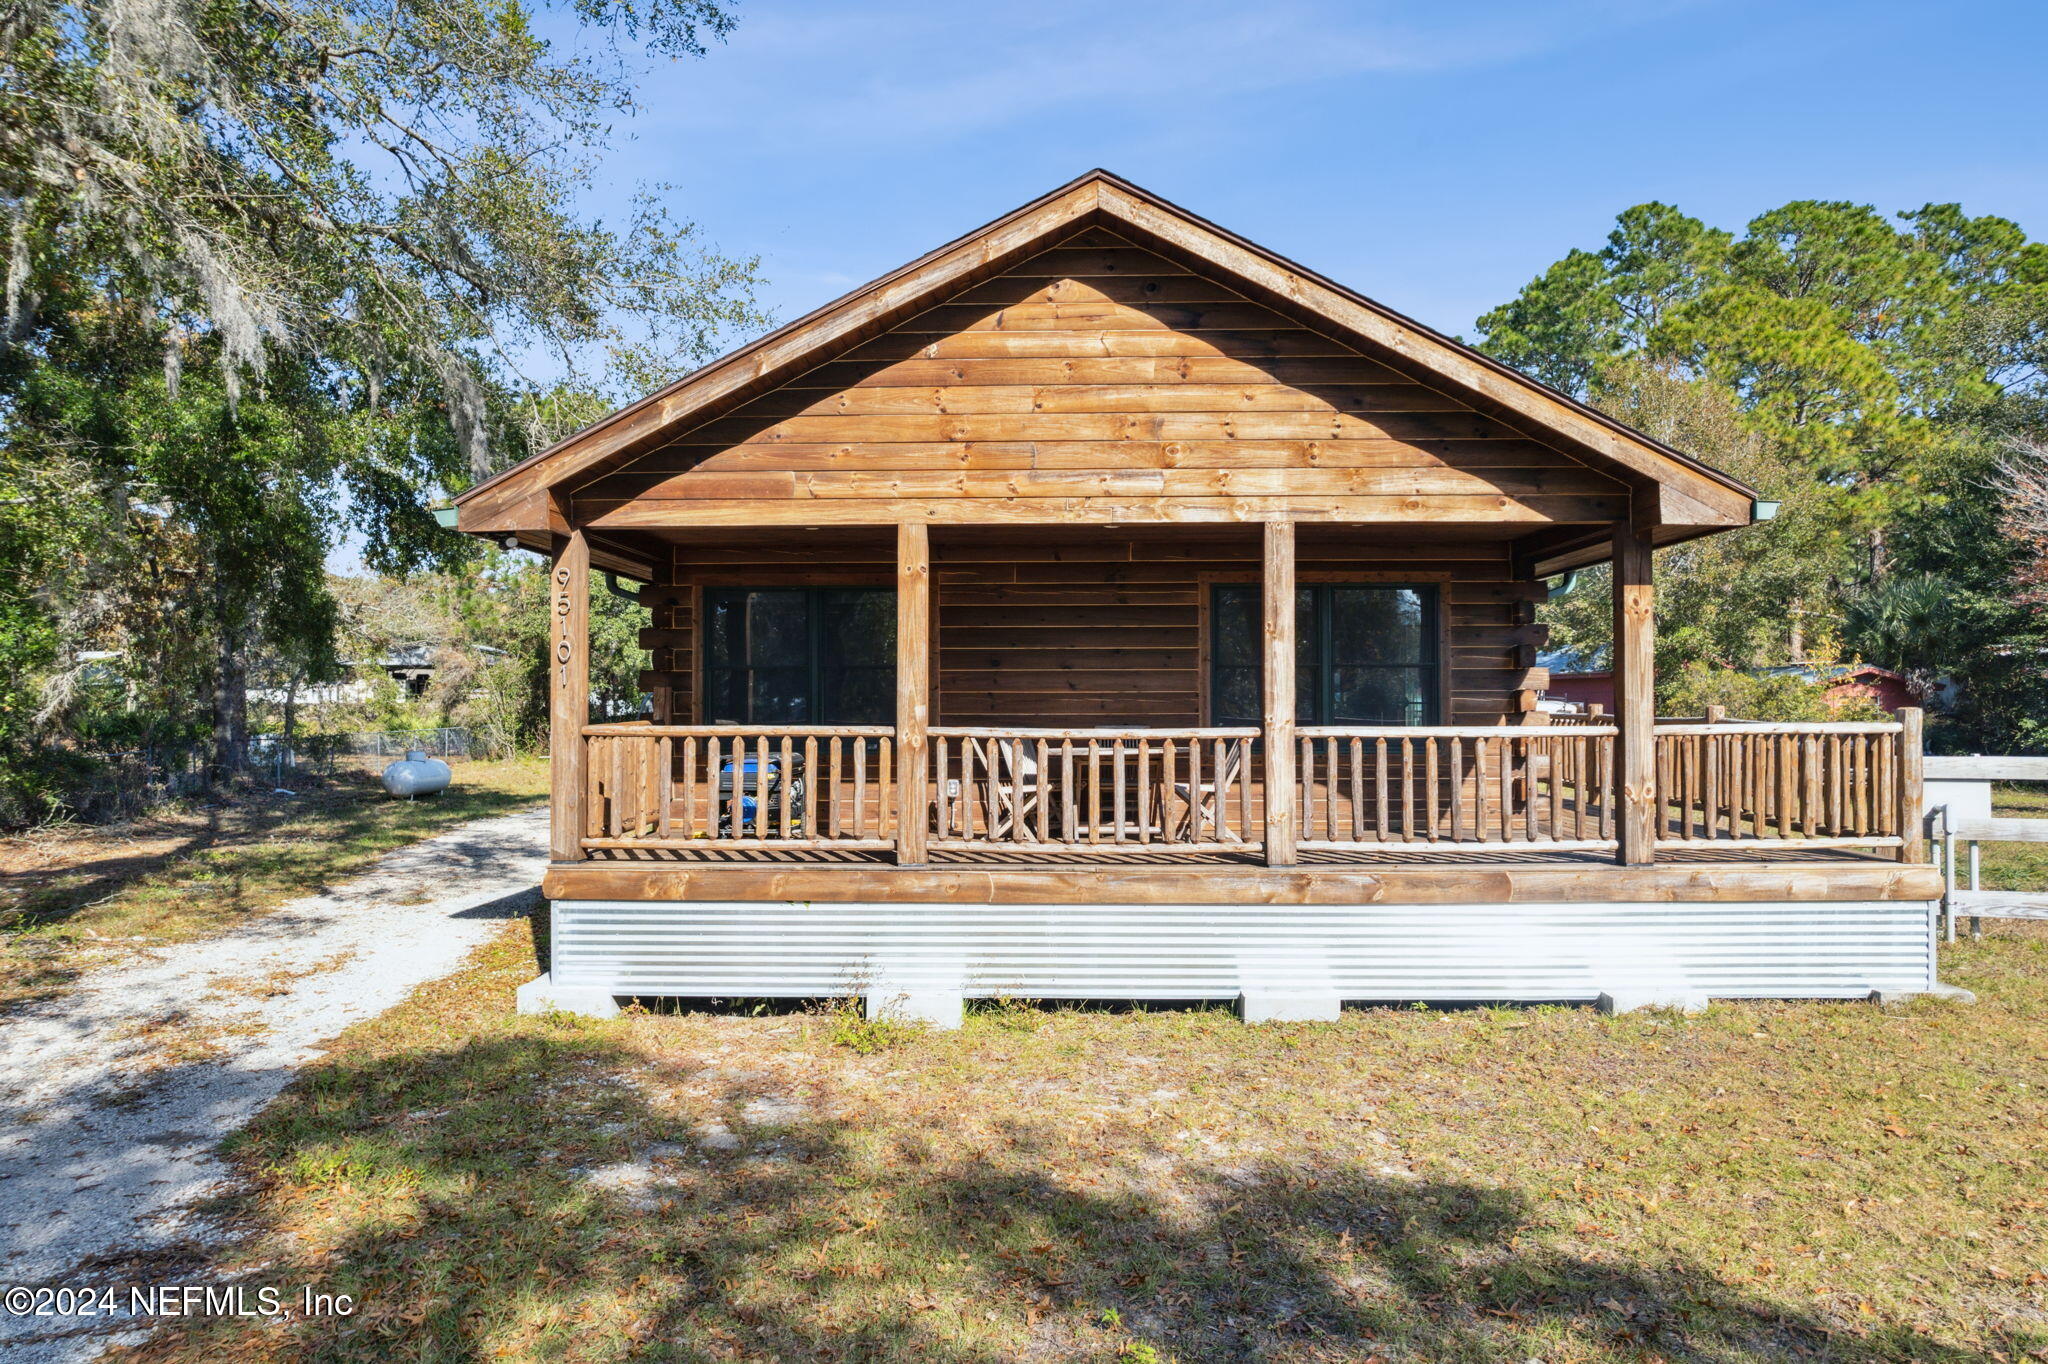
[103, 785]
[317, 752]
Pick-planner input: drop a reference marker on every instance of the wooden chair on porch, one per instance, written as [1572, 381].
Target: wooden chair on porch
[1201, 802]
[1012, 793]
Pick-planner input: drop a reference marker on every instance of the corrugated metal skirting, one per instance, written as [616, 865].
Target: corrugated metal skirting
[1364, 952]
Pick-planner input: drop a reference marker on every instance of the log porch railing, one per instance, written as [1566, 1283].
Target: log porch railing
[1805, 785]
[1504, 786]
[841, 787]
[1188, 790]
[787, 787]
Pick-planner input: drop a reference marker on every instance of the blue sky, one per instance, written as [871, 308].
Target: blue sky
[1432, 155]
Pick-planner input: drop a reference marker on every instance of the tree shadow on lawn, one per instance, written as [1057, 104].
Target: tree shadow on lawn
[53, 894]
[349, 810]
[449, 1192]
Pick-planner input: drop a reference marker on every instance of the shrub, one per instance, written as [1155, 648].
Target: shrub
[1746, 696]
[852, 1029]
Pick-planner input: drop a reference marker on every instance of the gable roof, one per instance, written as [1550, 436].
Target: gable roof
[1676, 496]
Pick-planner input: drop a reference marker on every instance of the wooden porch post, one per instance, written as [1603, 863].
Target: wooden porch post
[1278, 614]
[1912, 777]
[913, 688]
[568, 697]
[1635, 698]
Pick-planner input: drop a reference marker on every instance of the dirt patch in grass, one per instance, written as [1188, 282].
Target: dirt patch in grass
[74, 896]
[271, 984]
[1765, 1181]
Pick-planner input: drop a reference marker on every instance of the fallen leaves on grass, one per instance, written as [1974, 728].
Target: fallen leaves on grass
[1076, 1185]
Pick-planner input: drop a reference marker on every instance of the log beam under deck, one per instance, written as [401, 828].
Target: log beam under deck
[1450, 883]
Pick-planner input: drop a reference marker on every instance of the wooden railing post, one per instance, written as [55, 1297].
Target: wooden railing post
[1279, 693]
[569, 697]
[1635, 699]
[1912, 775]
[913, 689]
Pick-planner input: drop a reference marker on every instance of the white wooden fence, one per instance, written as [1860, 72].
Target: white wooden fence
[1959, 804]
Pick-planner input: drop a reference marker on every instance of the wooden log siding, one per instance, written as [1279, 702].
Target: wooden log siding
[660, 787]
[1098, 381]
[671, 643]
[1105, 630]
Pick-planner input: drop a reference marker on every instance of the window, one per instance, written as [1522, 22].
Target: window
[799, 655]
[1364, 655]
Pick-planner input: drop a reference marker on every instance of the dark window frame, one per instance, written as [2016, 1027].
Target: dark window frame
[1431, 664]
[815, 665]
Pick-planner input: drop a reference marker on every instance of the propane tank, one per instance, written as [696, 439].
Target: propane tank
[417, 775]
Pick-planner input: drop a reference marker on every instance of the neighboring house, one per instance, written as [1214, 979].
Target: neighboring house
[1847, 682]
[345, 692]
[103, 668]
[1101, 605]
[412, 666]
[1583, 689]
[1576, 680]
[1578, 686]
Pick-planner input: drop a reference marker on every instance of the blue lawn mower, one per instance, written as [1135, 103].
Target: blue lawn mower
[760, 783]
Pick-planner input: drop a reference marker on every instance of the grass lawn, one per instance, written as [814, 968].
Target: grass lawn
[1767, 1181]
[77, 895]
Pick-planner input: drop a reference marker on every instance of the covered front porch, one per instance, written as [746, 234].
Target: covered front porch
[1488, 851]
[1514, 787]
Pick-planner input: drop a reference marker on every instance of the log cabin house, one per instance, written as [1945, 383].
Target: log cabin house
[1103, 606]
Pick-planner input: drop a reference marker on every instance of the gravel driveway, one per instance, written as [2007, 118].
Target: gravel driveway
[113, 1095]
